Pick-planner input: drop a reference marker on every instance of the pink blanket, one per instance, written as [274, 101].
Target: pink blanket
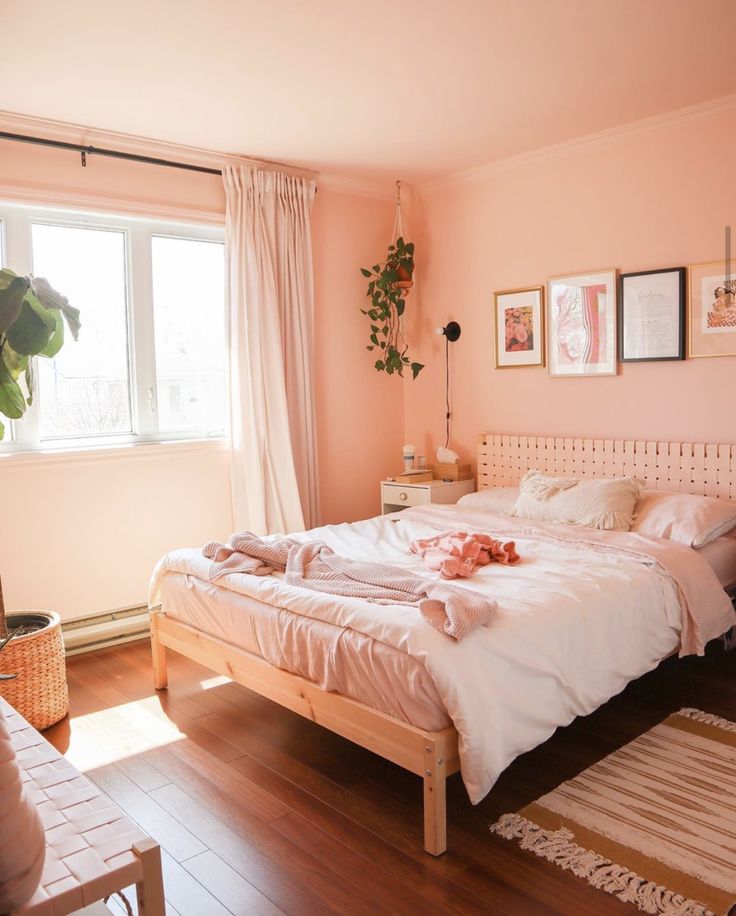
[458, 554]
[315, 566]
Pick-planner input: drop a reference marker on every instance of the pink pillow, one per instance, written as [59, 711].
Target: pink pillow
[691, 520]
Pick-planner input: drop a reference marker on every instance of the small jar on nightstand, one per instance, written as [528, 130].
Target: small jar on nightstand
[397, 496]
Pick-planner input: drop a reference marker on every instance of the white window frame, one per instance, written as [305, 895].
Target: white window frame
[17, 254]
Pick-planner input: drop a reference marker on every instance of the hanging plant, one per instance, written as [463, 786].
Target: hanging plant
[388, 286]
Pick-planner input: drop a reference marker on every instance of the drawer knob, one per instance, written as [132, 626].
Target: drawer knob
[402, 495]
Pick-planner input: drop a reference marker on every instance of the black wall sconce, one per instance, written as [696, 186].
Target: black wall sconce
[451, 333]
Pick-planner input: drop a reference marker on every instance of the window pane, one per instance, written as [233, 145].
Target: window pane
[85, 390]
[189, 318]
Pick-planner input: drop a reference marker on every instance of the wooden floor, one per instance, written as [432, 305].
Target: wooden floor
[260, 811]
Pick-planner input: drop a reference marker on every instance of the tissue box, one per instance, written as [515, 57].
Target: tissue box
[452, 471]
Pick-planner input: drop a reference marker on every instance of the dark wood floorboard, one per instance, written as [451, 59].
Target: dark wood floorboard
[259, 811]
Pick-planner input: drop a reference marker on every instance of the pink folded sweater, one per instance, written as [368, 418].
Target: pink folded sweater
[22, 839]
[457, 554]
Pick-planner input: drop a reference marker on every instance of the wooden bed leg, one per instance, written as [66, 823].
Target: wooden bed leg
[435, 804]
[150, 890]
[158, 653]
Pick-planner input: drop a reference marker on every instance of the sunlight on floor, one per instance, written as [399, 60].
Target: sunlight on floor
[207, 683]
[118, 732]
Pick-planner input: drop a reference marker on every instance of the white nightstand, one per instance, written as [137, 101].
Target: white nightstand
[396, 496]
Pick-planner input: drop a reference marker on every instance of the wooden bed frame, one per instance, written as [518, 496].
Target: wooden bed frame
[704, 469]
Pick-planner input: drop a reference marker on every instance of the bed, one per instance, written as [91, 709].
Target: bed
[575, 623]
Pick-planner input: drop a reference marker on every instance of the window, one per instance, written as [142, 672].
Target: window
[190, 369]
[150, 362]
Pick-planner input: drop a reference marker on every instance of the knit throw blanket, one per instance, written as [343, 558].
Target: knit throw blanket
[313, 565]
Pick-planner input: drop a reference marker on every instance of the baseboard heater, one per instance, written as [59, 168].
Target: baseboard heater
[109, 629]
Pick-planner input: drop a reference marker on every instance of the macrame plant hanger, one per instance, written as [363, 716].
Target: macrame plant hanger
[398, 231]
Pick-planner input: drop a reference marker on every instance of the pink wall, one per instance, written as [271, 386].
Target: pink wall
[360, 411]
[102, 523]
[650, 199]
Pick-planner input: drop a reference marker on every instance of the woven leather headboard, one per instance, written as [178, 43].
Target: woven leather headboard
[707, 469]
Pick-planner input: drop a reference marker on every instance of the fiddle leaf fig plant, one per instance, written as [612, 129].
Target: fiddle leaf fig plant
[32, 319]
[387, 288]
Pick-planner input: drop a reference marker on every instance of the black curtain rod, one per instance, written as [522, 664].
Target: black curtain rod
[110, 153]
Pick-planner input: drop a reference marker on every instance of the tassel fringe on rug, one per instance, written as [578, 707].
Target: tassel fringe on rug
[676, 774]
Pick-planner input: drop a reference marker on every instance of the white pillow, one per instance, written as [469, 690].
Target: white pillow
[606, 503]
[683, 517]
[492, 499]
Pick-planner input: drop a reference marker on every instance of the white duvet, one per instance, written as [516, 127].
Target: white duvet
[573, 626]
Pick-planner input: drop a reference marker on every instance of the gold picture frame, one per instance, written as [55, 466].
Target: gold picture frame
[518, 320]
[711, 310]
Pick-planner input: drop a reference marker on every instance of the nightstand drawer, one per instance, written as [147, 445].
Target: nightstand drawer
[397, 495]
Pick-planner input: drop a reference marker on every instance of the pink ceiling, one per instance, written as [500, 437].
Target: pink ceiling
[365, 88]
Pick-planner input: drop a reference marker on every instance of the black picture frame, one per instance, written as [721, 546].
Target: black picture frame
[679, 350]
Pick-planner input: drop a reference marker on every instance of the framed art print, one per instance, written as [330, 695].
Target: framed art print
[519, 322]
[651, 315]
[581, 324]
[711, 310]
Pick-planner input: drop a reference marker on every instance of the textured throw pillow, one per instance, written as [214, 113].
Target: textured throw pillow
[494, 499]
[683, 517]
[604, 503]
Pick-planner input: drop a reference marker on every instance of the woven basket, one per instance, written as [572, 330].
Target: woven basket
[39, 693]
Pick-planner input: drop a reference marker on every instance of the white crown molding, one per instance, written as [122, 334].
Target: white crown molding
[161, 149]
[12, 122]
[341, 184]
[588, 141]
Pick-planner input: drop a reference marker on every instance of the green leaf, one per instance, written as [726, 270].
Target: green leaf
[416, 368]
[374, 339]
[2, 431]
[56, 341]
[366, 273]
[29, 333]
[12, 402]
[50, 299]
[380, 365]
[14, 362]
[11, 300]
[400, 306]
[369, 348]
[49, 316]
[6, 277]
[30, 381]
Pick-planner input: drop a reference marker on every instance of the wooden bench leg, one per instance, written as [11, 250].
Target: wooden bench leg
[158, 652]
[150, 890]
[435, 803]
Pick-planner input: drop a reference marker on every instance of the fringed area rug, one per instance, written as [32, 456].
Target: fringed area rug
[653, 823]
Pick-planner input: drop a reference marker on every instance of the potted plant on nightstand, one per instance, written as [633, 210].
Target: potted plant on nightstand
[32, 321]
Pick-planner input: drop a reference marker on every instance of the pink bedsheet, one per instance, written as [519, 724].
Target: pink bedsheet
[340, 660]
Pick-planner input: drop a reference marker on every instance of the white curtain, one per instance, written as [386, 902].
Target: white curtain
[271, 307]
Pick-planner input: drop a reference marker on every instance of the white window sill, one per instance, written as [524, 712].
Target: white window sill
[116, 451]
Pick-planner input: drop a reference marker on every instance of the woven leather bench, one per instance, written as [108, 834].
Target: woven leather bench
[92, 848]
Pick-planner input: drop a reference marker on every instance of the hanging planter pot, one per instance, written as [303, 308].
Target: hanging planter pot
[405, 279]
[388, 286]
[387, 290]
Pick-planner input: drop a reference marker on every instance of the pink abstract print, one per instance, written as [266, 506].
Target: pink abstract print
[519, 326]
[581, 337]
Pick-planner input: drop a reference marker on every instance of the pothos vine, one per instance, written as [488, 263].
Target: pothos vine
[387, 289]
